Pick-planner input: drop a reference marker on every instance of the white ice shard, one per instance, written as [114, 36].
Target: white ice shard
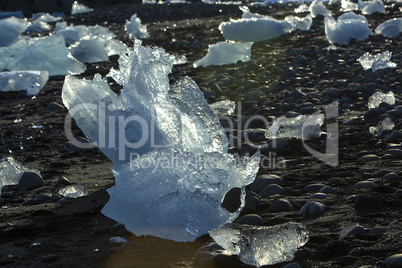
[378, 97]
[348, 25]
[41, 54]
[73, 191]
[303, 8]
[30, 81]
[222, 108]
[10, 171]
[385, 124]
[376, 62]
[135, 29]
[347, 5]
[318, 8]
[261, 245]
[225, 53]
[371, 7]
[300, 127]
[10, 30]
[390, 28]
[78, 8]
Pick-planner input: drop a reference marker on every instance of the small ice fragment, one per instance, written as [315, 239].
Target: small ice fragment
[117, 240]
[225, 53]
[376, 62]
[261, 245]
[30, 81]
[135, 29]
[73, 191]
[10, 171]
[386, 124]
[222, 108]
[78, 8]
[371, 7]
[318, 8]
[10, 30]
[298, 23]
[347, 5]
[37, 126]
[300, 127]
[96, 250]
[302, 8]
[331, 47]
[180, 59]
[348, 25]
[378, 97]
[35, 244]
[390, 28]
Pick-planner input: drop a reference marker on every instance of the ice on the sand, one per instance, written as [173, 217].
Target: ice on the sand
[222, 108]
[390, 28]
[376, 62]
[78, 8]
[386, 124]
[180, 59]
[378, 97]
[44, 17]
[371, 7]
[225, 53]
[348, 25]
[135, 29]
[300, 127]
[73, 191]
[347, 5]
[172, 170]
[302, 8]
[30, 81]
[254, 27]
[318, 8]
[261, 245]
[10, 171]
[10, 30]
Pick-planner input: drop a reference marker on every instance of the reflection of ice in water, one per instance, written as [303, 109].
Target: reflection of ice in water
[378, 97]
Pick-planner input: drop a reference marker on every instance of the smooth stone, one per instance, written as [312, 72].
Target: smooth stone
[318, 196]
[312, 208]
[377, 231]
[395, 136]
[314, 187]
[270, 190]
[30, 180]
[63, 180]
[286, 190]
[369, 204]
[394, 260]
[263, 181]
[353, 197]
[251, 219]
[364, 185]
[42, 197]
[368, 158]
[351, 230]
[398, 192]
[393, 223]
[49, 258]
[31, 202]
[280, 205]
[394, 152]
[327, 190]
[118, 230]
[292, 265]
[231, 201]
[251, 201]
[53, 106]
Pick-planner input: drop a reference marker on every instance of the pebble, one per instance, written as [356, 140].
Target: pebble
[270, 190]
[364, 185]
[327, 190]
[30, 180]
[312, 208]
[251, 219]
[393, 223]
[394, 152]
[377, 231]
[53, 106]
[369, 204]
[395, 136]
[314, 187]
[31, 202]
[318, 196]
[292, 265]
[49, 258]
[351, 230]
[281, 205]
[394, 260]
[63, 181]
[368, 158]
[263, 181]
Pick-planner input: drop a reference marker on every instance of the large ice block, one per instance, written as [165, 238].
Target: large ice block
[30, 81]
[225, 53]
[371, 7]
[73, 34]
[378, 97]
[177, 195]
[261, 245]
[348, 25]
[42, 54]
[390, 28]
[376, 62]
[135, 29]
[10, 30]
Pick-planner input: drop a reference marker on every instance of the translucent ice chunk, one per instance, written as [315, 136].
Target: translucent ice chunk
[376, 62]
[386, 124]
[78, 8]
[348, 25]
[390, 28]
[225, 53]
[299, 127]
[10, 171]
[378, 97]
[10, 30]
[73, 191]
[225, 107]
[30, 81]
[181, 59]
[73, 34]
[38, 26]
[42, 54]
[347, 5]
[261, 245]
[177, 195]
[318, 8]
[45, 17]
[135, 29]
[371, 7]
[302, 8]
[303, 24]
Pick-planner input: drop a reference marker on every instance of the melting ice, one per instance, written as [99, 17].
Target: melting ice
[318, 8]
[386, 124]
[378, 97]
[73, 191]
[376, 62]
[30, 81]
[371, 7]
[10, 30]
[390, 28]
[78, 8]
[261, 245]
[135, 29]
